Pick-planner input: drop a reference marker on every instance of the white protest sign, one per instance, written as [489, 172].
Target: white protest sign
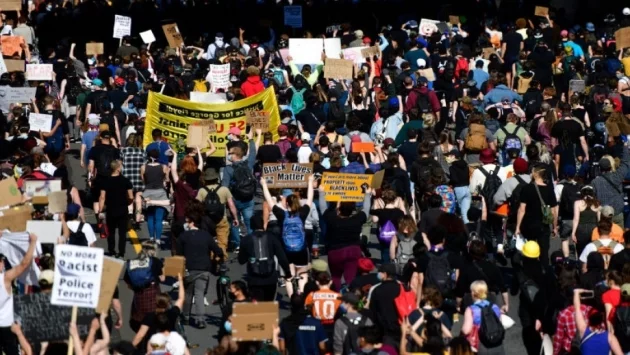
[78, 272]
[47, 232]
[10, 95]
[40, 122]
[293, 16]
[332, 47]
[306, 50]
[122, 26]
[39, 72]
[147, 36]
[3, 66]
[354, 54]
[219, 76]
[427, 27]
[208, 97]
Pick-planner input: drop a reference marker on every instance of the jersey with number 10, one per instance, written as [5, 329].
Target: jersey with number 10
[325, 305]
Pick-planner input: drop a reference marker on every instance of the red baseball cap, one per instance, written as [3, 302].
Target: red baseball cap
[365, 265]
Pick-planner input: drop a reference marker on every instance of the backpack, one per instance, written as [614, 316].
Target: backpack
[607, 251]
[532, 107]
[404, 252]
[387, 232]
[200, 85]
[262, 264]
[351, 340]
[424, 179]
[297, 101]
[622, 322]
[570, 194]
[449, 201]
[514, 202]
[423, 104]
[491, 331]
[511, 140]
[220, 52]
[73, 91]
[293, 232]
[547, 215]
[284, 146]
[244, 185]
[78, 237]
[104, 167]
[214, 208]
[140, 272]
[491, 186]
[523, 83]
[439, 272]
[336, 113]
[476, 138]
[429, 136]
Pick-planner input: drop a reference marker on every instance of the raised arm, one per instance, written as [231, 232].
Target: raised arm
[26, 262]
[267, 195]
[174, 166]
[310, 193]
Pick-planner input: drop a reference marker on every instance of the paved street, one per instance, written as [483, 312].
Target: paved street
[206, 338]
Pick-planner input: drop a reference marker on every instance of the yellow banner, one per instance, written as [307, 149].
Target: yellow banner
[173, 116]
[346, 187]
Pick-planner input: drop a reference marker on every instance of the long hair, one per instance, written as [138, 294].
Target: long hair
[187, 167]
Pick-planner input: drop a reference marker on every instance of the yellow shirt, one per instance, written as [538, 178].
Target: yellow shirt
[626, 65]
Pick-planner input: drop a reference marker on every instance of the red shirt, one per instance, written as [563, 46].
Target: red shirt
[612, 297]
[252, 86]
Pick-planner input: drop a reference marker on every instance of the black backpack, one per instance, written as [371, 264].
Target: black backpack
[423, 104]
[351, 340]
[74, 89]
[78, 237]
[439, 272]
[214, 208]
[262, 263]
[491, 331]
[244, 185]
[515, 199]
[570, 194]
[622, 323]
[336, 113]
[424, 179]
[104, 167]
[491, 186]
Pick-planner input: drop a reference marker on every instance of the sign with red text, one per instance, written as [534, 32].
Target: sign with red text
[77, 280]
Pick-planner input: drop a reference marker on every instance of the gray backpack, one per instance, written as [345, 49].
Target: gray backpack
[404, 252]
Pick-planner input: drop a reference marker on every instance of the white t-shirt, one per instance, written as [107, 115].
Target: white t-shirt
[478, 179]
[175, 344]
[590, 248]
[87, 230]
[304, 153]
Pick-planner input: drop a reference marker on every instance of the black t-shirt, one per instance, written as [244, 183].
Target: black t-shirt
[103, 154]
[280, 213]
[567, 131]
[409, 152]
[94, 99]
[512, 42]
[480, 270]
[269, 153]
[454, 261]
[116, 194]
[117, 97]
[618, 260]
[104, 74]
[429, 219]
[533, 209]
[362, 282]
[150, 318]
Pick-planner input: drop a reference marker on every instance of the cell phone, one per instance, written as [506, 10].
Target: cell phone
[585, 295]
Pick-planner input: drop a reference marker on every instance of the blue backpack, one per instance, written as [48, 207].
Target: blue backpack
[387, 233]
[140, 272]
[297, 101]
[293, 232]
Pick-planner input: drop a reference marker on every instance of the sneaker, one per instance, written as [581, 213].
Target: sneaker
[205, 302]
[236, 250]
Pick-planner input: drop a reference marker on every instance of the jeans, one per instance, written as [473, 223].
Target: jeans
[464, 198]
[344, 261]
[117, 223]
[155, 216]
[246, 210]
[195, 285]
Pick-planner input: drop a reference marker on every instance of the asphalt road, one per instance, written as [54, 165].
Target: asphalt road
[206, 338]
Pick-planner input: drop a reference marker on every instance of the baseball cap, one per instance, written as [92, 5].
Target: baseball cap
[46, 276]
[235, 131]
[626, 11]
[412, 24]
[94, 119]
[365, 265]
[590, 27]
[211, 174]
[393, 102]
[421, 63]
[119, 81]
[520, 166]
[358, 33]
[389, 269]
[283, 128]
[158, 340]
[367, 40]
[351, 298]
[625, 289]
[604, 164]
[487, 156]
[73, 209]
[97, 82]
[106, 134]
[423, 80]
[564, 33]
[305, 136]
[569, 170]
[388, 142]
[319, 265]
[608, 211]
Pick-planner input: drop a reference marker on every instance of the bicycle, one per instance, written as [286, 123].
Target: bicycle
[223, 287]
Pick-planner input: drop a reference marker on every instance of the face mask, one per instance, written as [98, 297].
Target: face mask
[229, 157]
[343, 309]
[231, 296]
[19, 171]
[186, 227]
[379, 276]
[619, 75]
[227, 326]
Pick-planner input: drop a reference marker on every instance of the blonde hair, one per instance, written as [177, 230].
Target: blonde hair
[613, 163]
[479, 290]
[429, 120]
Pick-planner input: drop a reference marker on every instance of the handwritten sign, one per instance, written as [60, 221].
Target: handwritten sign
[219, 76]
[454, 20]
[14, 65]
[577, 85]
[541, 11]
[428, 27]
[11, 45]
[173, 36]
[338, 69]
[94, 48]
[258, 119]
[109, 280]
[622, 38]
[212, 127]
[369, 52]
[306, 50]
[345, 187]
[287, 175]
[78, 272]
[12, 95]
[293, 16]
[147, 36]
[40, 122]
[354, 54]
[43, 72]
[122, 26]
[197, 136]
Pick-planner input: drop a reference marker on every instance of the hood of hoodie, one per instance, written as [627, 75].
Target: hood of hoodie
[254, 80]
[421, 89]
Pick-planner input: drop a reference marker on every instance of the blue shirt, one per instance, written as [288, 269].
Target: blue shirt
[88, 141]
[307, 338]
[480, 76]
[391, 131]
[497, 94]
[163, 147]
[577, 50]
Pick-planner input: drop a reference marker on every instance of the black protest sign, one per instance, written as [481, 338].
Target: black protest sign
[42, 321]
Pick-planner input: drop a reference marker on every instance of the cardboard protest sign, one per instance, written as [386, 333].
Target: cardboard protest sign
[454, 20]
[345, 187]
[122, 26]
[293, 16]
[58, 202]
[208, 97]
[147, 36]
[332, 47]
[11, 95]
[306, 50]
[9, 192]
[541, 11]
[174, 265]
[42, 72]
[622, 38]
[377, 179]
[338, 69]
[47, 232]
[258, 119]
[219, 76]
[443, 27]
[94, 48]
[14, 219]
[365, 147]
[78, 273]
[487, 52]
[577, 85]
[173, 36]
[42, 321]
[254, 321]
[14, 65]
[112, 268]
[11, 45]
[427, 73]
[38, 190]
[212, 127]
[8, 5]
[197, 136]
[40, 122]
[369, 52]
[287, 175]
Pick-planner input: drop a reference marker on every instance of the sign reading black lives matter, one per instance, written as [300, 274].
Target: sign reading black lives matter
[287, 175]
[77, 280]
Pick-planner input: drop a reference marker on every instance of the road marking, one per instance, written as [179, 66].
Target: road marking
[135, 241]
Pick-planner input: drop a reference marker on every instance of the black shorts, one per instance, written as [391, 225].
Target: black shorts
[298, 258]
[97, 186]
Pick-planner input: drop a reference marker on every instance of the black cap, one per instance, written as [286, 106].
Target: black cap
[351, 298]
[389, 269]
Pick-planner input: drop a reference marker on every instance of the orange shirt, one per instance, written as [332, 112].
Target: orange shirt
[616, 234]
[325, 305]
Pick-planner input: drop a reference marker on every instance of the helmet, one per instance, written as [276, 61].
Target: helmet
[531, 249]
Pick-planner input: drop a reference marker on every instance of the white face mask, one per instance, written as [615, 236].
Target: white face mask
[186, 226]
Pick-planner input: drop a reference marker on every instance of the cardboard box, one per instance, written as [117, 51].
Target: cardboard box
[111, 273]
[541, 11]
[15, 218]
[254, 321]
[58, 202]
[174, 265]
[9, 192]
